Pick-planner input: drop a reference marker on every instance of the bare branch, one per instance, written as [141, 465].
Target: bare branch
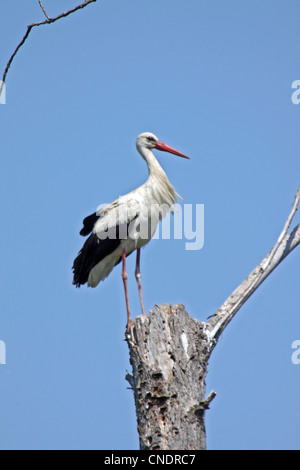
[205, 404]
[40, 23]
[285, 228]
[44, 11]
[284, 245]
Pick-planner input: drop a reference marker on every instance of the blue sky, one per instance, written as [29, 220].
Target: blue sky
[212, 79]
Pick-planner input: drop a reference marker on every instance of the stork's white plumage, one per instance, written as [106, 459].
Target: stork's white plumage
[126, 224]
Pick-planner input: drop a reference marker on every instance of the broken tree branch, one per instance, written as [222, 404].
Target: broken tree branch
[284, 245]
[40, 23]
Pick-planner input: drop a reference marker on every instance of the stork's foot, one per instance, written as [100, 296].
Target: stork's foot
[129, 333]
[129, 325]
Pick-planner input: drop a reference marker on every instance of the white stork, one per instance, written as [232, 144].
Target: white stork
[126, 224]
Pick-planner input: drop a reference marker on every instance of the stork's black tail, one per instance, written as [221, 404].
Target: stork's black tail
[93, 251]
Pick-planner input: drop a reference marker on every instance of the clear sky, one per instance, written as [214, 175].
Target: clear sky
[212, 79]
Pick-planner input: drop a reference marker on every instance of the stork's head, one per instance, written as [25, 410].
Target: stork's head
[147, 140]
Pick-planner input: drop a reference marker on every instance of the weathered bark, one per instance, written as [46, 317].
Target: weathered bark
[169, 352]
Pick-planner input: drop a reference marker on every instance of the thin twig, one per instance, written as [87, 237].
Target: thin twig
[205, 404]
[43, 8]
[33, 25]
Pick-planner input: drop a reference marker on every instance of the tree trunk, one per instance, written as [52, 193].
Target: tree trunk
[168, 353]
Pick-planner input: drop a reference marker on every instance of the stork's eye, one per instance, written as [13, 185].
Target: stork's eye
[151, 139]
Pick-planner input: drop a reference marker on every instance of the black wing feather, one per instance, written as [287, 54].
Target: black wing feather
[93, 251]
[88, 224]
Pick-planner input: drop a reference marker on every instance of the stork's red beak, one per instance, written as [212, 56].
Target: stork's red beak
[166, 148]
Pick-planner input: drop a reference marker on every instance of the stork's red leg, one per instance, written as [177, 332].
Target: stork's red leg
[130, 322]
[138, 279]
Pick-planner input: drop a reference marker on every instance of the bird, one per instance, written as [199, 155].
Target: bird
[127, 224]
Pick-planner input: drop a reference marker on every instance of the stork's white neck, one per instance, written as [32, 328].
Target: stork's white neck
[158, 183]
[153, 165]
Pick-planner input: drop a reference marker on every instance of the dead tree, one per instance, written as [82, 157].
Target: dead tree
[169, 352]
